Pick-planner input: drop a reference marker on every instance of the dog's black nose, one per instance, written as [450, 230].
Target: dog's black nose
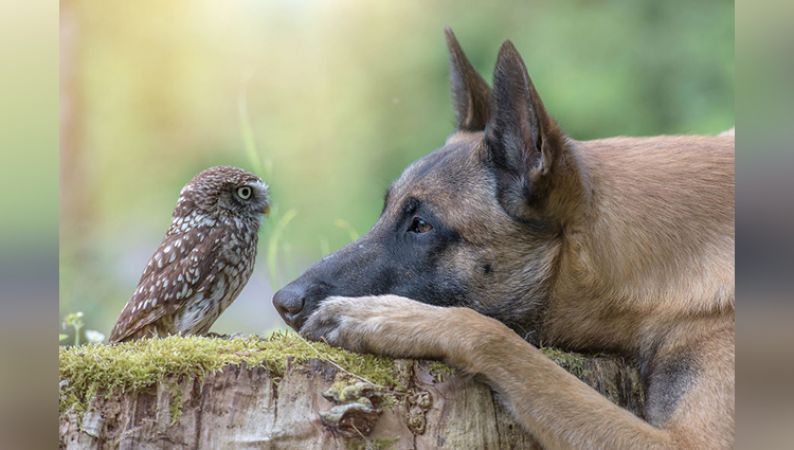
[289, 302]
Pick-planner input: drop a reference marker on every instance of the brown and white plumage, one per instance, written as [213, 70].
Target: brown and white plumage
[204, 260]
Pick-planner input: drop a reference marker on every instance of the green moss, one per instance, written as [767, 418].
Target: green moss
[440, 371]
[372, 444]
[138, 365]
[175, 409]
[389, 401]
[574, 363]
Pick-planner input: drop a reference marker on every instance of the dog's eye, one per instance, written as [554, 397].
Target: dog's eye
[418, 225]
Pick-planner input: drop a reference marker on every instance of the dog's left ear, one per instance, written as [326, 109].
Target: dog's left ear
[523, 142]
[470, 93]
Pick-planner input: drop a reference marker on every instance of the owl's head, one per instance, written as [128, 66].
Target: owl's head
[224, 191]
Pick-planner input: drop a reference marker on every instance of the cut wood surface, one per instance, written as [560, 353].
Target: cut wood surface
[285, 393]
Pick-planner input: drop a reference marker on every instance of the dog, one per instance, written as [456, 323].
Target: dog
[512, 234]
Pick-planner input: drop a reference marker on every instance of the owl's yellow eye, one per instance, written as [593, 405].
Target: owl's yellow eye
[244, 192]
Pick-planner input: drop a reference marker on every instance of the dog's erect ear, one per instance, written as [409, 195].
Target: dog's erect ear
[522, 140]
[470, 92]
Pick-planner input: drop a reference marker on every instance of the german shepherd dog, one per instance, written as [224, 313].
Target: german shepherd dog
[513, 233]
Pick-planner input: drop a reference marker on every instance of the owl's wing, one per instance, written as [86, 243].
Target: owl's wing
[174, 274]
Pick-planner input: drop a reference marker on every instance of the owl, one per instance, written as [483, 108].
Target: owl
[203, 262]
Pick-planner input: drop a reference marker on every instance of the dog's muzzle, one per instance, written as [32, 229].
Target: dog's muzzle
[289, 303]
[296, 301]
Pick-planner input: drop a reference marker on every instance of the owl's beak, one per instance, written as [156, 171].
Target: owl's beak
[266, 210]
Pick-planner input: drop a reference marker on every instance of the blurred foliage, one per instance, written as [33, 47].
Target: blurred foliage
[329, 100]
[73, 322]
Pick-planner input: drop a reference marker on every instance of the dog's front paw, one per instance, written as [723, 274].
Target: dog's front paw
[332, 321]
[384, 325]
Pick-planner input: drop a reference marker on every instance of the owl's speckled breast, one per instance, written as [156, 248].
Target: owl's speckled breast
[229, 273]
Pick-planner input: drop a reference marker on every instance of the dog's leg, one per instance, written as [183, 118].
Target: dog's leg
[559, 409]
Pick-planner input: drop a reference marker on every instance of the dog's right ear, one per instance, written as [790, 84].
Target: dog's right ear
[470, 92]
[524, 143]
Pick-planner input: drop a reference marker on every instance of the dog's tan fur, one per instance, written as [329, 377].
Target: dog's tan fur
[642, 264]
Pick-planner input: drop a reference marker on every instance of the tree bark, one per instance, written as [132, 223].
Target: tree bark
[316, 405]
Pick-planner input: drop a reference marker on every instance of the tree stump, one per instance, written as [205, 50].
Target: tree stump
[285, 393]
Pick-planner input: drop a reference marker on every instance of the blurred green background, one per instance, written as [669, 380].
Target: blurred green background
[328, 101]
